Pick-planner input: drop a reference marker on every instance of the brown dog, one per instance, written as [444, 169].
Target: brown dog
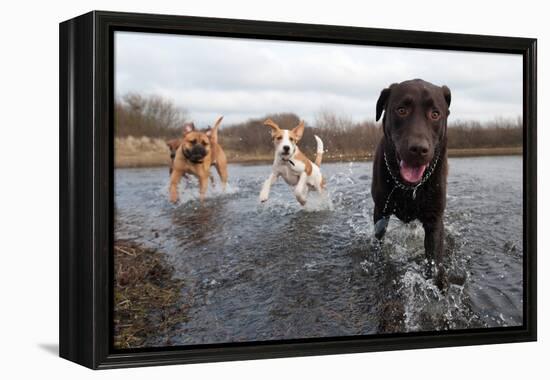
[196, 153]
[410, 166]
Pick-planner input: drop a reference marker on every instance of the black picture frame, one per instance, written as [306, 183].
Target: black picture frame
[86, 187]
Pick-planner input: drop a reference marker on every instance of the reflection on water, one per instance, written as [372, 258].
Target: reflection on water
[279, 271]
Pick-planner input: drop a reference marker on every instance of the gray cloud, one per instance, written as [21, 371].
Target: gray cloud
[242, 78]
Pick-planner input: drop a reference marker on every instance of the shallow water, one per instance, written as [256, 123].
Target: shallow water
[279, 271]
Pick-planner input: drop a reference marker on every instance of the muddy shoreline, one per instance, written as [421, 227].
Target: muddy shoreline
[147, 298]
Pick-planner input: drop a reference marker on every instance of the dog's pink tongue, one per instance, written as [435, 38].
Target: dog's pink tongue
[411, 174]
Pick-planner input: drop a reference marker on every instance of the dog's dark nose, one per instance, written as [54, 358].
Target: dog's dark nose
[419, 148]
[286, 148]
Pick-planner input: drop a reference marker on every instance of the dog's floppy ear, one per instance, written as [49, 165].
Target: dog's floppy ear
[274, 127]
[447, 94]
[383, 101]
[298, 131]
[188, 127]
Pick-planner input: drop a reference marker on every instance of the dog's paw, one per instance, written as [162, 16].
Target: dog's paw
[380, 227]
[439, 276]
[174, 198]
[441, 281]
[263, 197]
[301, 200]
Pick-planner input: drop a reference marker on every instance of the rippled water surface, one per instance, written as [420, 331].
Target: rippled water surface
[279, 271]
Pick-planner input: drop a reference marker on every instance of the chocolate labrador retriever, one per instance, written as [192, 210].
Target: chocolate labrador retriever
[410, 164]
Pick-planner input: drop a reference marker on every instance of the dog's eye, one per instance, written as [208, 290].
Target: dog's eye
[435, 115]
[291, 139]
[279, 138]
[193, 142]
[402, 111]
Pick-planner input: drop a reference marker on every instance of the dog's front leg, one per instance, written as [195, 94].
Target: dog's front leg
[264, 194]
[299, 190]
[380, 222]
[434, 246]
[203, 186]
[222, 172]
[174, 181]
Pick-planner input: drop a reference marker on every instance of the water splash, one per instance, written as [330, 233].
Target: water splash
[280, 271]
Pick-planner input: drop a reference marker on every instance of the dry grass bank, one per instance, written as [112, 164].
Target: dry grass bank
[477, 152]
[147, 299]
[131, 152]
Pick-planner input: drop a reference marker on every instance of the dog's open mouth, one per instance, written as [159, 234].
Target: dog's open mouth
[195, 156]
[410, 173]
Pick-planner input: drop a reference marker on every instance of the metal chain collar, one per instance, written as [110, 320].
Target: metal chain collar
[402, 186]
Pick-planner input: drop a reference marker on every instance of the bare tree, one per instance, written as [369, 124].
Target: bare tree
[152, 116]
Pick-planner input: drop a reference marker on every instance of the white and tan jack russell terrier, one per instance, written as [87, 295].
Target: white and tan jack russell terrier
[291, 164]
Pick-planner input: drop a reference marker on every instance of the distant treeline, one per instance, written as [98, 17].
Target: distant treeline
[159, 118]
[491, 134]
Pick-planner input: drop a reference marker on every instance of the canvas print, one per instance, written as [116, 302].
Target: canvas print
[276, 190]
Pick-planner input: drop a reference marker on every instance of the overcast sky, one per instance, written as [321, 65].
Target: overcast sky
[242, 79]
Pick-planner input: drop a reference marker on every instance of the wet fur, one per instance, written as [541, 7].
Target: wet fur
[295, 168]
[430, 202]
[182, 165]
